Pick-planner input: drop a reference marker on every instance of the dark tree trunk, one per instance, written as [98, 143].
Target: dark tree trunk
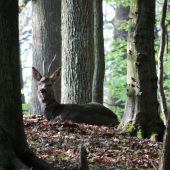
[99, 65]
[14, 151]
[141, 107]
[46, 43]
[77, 51]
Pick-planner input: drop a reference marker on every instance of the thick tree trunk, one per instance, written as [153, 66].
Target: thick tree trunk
[99, 66]
[77, 51]
[14, 151]
[46, 43]
[141, 107]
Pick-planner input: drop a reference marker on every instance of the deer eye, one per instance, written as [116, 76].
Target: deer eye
[50, 85]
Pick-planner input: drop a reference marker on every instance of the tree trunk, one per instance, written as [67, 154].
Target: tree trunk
[99, 66]
[77, 51]
[14, 151]
[160, 64]
[46, 23]
[164, 163]
[141, 116]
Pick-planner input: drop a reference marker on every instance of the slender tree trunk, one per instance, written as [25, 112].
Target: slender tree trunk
[99, 66]
[77, 51]
[160, 64]
[46, 23]
[14, 151]
[141, 108]
[164, 163]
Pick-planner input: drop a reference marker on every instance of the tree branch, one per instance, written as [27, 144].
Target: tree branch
[160, 63]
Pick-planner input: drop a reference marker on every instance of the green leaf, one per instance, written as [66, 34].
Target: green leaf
[119, 158]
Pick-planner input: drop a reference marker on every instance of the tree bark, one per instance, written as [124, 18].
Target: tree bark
[77, 51]
[160, 64]
[14, 150]
[46, 23]
[164, 163]
[99, 65]
[141, 107]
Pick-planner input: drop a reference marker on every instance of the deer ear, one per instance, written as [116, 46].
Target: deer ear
[56, 75]
[37, 76]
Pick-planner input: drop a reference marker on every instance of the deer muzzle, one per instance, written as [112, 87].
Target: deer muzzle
[43, 91]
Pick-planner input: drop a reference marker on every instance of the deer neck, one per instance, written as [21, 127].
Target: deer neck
[48, 105]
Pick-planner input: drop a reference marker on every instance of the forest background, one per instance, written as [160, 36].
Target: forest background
[114, 86]
[145, 57]
[115, 15]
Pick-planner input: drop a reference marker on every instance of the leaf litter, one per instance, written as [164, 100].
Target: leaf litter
[107, 148]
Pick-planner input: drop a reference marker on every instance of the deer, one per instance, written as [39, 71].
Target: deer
[90, 113]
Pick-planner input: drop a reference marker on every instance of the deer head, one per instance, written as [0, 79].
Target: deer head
[45, 85]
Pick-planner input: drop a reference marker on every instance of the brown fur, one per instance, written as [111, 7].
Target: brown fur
[92, 113]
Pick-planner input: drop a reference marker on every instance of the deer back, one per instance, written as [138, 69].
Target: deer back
[92, 114]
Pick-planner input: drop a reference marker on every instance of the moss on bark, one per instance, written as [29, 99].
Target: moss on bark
[153, 132]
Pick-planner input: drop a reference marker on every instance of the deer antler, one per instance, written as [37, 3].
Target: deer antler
[44, 68]
[51, 65]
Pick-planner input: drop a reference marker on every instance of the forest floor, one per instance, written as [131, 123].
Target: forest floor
[107, 148]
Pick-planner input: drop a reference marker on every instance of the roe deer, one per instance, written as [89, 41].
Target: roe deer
[93, 114]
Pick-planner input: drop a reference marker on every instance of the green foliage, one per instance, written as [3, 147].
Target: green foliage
[116, 64]
[124, 25]
[95, 167]
[21, 3]
[166, 64]
[119, 158]
[32, 142]
[116, 76]
[25, 108]
[63, 155]
[114, 85]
